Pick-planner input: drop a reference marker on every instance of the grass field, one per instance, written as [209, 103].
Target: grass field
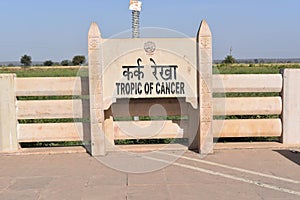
[83, 71]
[46, 71]
[252, 68]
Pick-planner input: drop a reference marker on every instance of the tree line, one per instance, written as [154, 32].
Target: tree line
[77, 60]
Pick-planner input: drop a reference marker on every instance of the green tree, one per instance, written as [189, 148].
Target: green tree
[78, 60]
[66, 63]
[26, 60]
[229, 60]
[48, 63]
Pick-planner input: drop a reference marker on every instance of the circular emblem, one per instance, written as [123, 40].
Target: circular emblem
[150, 47]
[93, 43]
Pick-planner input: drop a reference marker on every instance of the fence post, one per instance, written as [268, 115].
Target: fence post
[8, 120]
[96, 92]
[291, 106]
[204, 62]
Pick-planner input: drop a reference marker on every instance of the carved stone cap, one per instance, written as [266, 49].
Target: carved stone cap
[94, 30]
[204, 30]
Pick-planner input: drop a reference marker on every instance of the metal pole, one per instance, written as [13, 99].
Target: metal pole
[135, 24]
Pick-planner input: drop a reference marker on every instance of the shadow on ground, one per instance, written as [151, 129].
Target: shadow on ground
[293, 155]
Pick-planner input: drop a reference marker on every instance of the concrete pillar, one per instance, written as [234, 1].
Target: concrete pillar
[96, 91]
[8, 120]
[204, 64]
[291, 106]
[109, 133]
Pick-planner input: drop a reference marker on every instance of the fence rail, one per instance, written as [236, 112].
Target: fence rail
[50, 132]
[51, 86]
[148, 130]
[53, 109]
[57, 86]
[248, 106]
[227, 83]
[247, 128]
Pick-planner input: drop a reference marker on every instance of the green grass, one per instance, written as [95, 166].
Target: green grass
[152, 118]
[183, 141]
[247, 94]
[47, 72]
[248, 139]
[50, 144]
[251, 68]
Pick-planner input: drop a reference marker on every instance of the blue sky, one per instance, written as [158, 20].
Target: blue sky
[57, 29]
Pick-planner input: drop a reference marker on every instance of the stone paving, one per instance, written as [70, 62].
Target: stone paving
[226, 174]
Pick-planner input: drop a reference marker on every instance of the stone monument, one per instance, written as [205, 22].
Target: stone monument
[151, 69]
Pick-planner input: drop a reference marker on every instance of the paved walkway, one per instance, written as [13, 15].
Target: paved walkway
[227, 174]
